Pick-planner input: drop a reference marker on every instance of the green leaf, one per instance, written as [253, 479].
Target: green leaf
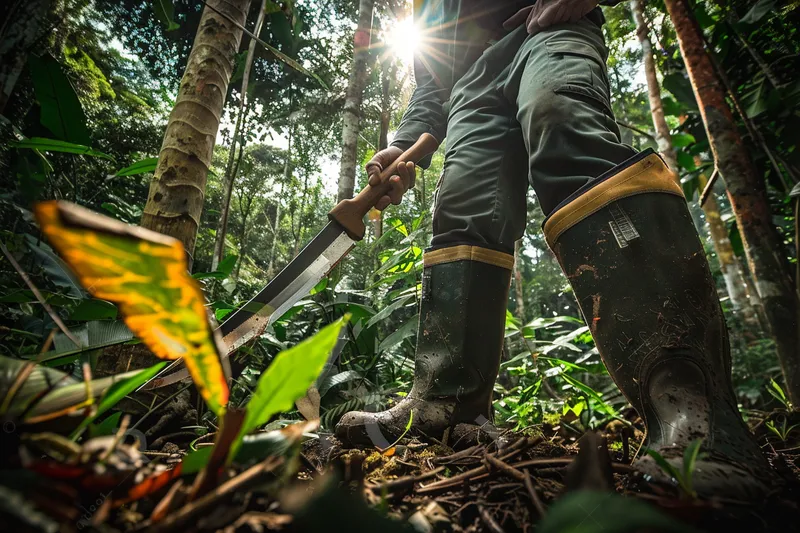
[94, 309]
[690, 456]
[117, 392]
[388, 310]
[736, 240]
[99, 334]
[226, 265]
[165, 13]
[319, 287]
[409, 329]
[606, 512]
[666, 466]
[54, 145]
[757, 13]
[61, 113]
[288, 378]
[106, 427]
[140, 167]
[679, 140]
[681, 89]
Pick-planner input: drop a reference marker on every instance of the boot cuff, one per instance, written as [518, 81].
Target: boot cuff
[643, 173]
[466, 252]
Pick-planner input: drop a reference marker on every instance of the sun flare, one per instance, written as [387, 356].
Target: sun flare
[403, 39]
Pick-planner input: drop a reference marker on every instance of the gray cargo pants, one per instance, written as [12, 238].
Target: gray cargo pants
[532, 109]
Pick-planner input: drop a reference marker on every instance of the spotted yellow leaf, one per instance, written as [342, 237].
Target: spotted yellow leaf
[145, 274]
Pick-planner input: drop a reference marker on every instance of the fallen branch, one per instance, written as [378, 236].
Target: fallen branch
[521, 476]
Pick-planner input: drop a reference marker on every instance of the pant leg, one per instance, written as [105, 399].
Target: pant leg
[481, 197]
[559, 83]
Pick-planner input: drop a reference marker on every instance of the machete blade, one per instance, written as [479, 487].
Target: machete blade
[296, 280]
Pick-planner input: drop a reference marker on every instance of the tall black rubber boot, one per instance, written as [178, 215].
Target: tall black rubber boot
[627, 243]
[460, 339]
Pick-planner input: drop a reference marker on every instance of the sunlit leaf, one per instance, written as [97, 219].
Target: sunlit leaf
[53, 145]
[140, 167]
[757, 13]
[144, 273]
[288, 378]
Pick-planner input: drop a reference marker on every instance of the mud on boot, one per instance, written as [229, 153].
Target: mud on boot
[628, 246]
[459, 342]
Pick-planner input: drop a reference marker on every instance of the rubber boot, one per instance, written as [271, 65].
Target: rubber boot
[628, 246]
[459, 342]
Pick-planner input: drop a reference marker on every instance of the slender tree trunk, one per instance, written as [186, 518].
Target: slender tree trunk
[352, 104]
[663, 137]
[230, 175]
[728, 265]
[518, 289]
[177, 190]
[383, 134]
[287, 173]
[18, 34]
[747, 193]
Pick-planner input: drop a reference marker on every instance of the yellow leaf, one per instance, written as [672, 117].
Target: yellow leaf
[145, 274]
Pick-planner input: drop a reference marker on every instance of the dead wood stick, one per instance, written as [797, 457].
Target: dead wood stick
[521, 476]
[489, 521]
[187, 511]
[454, 481]
[402, 482]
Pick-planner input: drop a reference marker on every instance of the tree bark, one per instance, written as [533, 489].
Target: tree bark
[352, 104]
[383, 134]
[747, 193]
[230, 174]
[18, 34]
[177, 190]
[663, 137]
[734, 282]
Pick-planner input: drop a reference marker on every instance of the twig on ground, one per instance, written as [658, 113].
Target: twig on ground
[520, 476]
[179, 517]
[489, 521]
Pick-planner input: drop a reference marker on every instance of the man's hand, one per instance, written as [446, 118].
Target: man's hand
[400, 182]
[546, 13]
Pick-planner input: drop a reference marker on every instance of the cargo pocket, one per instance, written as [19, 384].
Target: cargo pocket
[579, 70]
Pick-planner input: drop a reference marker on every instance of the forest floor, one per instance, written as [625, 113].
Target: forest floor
[548, 479]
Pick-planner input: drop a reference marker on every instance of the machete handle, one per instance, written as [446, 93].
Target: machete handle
[349, 213]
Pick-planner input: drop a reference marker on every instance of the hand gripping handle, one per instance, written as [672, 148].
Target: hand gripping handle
[350, 213]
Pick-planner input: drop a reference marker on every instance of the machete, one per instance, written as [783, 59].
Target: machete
[344, 229]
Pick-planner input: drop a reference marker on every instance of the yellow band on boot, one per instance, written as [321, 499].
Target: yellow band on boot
[645, 176]
[466, 252]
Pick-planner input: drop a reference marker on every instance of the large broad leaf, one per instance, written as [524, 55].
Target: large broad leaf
[606, 512]
[761, 10]
[291, 373]
[93, 335]
[94, 309]
[145, 274]
[165, 13]
[54, 145]
[62, 113]
[140, 167]
[681, 89]
[117, 392]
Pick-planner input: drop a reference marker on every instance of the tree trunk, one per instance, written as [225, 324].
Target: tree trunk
[383, 134]
[518, 289]
[734, 282]
[177, 190]
[230, 174]
[287, 172]
[747, 193]
[20, 31]
[663, 137]
[352, 104]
